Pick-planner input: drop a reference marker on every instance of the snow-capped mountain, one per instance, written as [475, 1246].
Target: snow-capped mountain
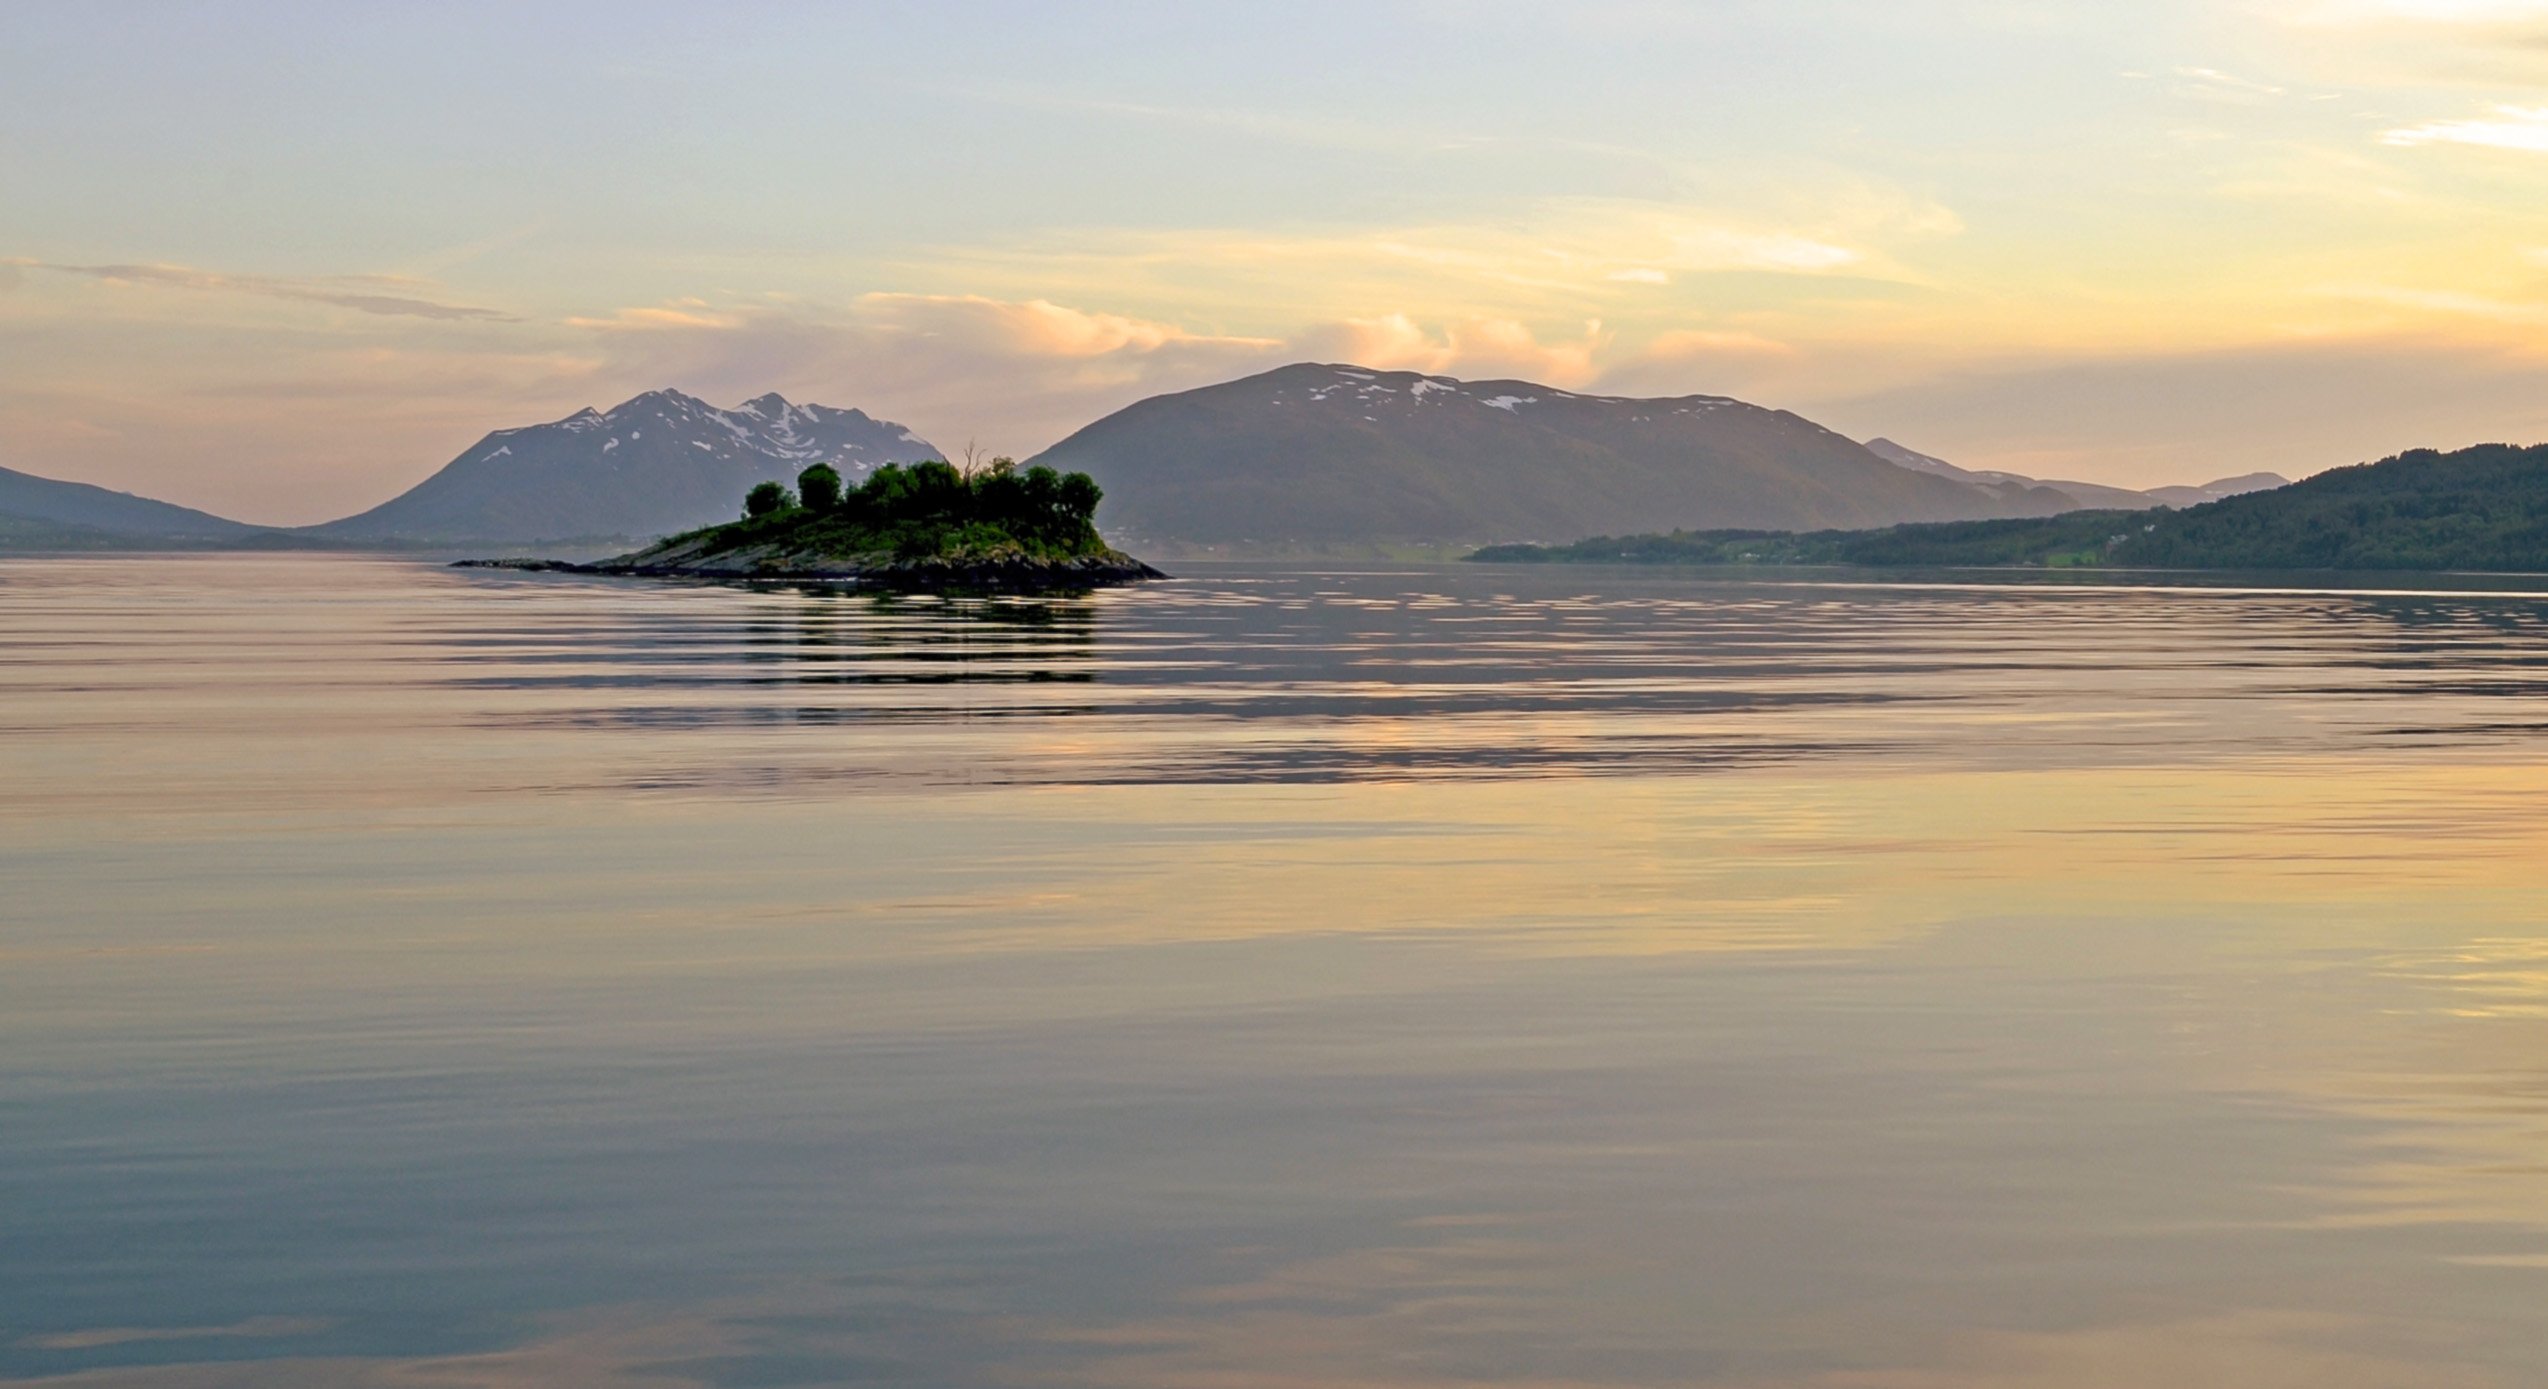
[660, 463]
[1323, 455]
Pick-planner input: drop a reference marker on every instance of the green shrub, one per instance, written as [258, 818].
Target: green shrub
[932, 508]
[819, 487]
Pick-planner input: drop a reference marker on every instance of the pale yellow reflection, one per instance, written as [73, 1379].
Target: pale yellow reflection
[1630, 865]
[2447, 1054]
[2236, 1350]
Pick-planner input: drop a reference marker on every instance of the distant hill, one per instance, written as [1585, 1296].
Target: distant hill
[2077, 495]
[2215, 491]
[660, 463]
[20, 535]
[2483, 509]
[1319, 455]
[44, 513]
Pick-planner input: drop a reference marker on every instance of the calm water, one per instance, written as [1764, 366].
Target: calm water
[1269, 980]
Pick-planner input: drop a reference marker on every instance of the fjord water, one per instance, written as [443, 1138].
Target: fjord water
[1277, 977]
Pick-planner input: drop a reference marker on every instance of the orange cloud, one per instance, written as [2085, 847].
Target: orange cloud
[1019, 374]
[678, 313]
[1037, 327]
[1475, 347]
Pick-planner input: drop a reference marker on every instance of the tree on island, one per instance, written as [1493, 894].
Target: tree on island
[931, 507]
[819, 487]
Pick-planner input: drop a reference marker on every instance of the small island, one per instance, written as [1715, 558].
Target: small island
[927, 527]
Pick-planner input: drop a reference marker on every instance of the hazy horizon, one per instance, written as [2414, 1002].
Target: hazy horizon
[283, 261]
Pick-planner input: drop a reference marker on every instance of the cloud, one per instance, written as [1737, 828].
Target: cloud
[265, 434]
[2437, 12]
[2447, 303]
[2523, 128]
[1018, 375]
[2485, 44]
[679, 313]
[1576, 245]
[1725, 248]
[1039, 327]
[360, 293]
[1015, 375]
[1490, 347]
[2212, 84]
[1324, 131]
[1709, 361]
[1548, 260]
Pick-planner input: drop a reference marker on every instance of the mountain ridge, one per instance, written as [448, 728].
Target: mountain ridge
[87, 507]
[2085, 495]
[1308, 455]
[1330, 453]
[600, 474]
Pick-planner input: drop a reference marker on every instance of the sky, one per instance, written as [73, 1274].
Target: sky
[283, 260]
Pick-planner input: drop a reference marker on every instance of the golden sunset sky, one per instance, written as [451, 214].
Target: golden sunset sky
[283, 260]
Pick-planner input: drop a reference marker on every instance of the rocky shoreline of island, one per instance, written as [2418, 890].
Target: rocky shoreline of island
[931, 574]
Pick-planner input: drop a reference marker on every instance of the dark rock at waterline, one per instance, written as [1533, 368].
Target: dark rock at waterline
[928, 575]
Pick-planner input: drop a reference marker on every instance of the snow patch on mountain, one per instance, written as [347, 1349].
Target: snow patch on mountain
[652, 464]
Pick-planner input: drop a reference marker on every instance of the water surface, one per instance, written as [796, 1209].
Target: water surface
[1279, 977]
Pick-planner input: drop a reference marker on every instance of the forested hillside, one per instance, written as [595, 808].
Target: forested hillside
[2482, 508]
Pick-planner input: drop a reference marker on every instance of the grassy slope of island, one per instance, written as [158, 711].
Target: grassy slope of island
[925, 526]
[2482, 508]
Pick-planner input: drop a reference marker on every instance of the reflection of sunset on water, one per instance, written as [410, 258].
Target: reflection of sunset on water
[1419, 979]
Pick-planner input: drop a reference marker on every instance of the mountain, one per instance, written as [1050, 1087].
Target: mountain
[1318, 455]
[660, 463]
[2062, 496]
[78, 515]
[1306, 455]
[2082, 495]
[2483, 508]
[2215, 491]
